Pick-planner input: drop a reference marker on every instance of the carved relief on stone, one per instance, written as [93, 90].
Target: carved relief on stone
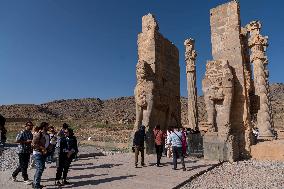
[190, 55]
[218, 89]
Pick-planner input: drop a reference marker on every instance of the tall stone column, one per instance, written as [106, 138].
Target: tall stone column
[258, 45]
[190, 57]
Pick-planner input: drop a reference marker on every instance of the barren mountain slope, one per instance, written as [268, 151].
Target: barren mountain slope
[117, 110]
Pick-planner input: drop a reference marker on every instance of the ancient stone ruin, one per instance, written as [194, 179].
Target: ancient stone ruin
[157, 93]
[228, 88]
[258, 44]
[234, 96]
[218, 90]
[190, 57]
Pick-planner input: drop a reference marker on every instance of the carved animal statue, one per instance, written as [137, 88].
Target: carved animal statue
[218, 88]
[144, 93]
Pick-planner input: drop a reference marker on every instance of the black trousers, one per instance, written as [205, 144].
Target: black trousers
[63, 166]
[24, 159]
[177, 153]
[159, 151]
[137, 150]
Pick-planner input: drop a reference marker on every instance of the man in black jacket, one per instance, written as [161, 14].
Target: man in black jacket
[138, 144]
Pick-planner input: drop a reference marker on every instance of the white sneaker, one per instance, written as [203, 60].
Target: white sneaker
[28, 182]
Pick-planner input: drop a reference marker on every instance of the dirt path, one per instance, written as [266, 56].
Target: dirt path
[116, 171]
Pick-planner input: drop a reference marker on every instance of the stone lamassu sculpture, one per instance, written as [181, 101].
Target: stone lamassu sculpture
[157, 93]
[218, 90]
[144, 93]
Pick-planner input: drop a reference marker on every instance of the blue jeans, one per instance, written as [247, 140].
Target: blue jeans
[40, 164]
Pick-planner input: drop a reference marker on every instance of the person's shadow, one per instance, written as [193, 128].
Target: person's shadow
[81, 183]
[96, 166]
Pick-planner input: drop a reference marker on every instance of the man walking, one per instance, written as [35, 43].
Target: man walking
[138, 144]
[159, 138]
[24, 138]
[40, 144]
[176, 141]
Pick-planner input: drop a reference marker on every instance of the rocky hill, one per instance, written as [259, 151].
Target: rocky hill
[117, 110]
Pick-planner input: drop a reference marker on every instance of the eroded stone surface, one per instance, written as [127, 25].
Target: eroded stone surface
[218, 90]
[258, 44]
[157, 93]
[228, 46]
[190, 57]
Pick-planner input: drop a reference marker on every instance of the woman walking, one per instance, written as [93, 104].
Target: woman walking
[67, 150]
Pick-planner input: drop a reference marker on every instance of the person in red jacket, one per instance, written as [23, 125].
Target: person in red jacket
[159, 139]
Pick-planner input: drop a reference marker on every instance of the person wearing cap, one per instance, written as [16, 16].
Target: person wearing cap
[138, 144]
[24, 139]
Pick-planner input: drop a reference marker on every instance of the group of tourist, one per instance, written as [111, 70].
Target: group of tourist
[173, 142]
[43, 143]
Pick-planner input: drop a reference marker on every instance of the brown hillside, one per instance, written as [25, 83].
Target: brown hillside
[117, 110]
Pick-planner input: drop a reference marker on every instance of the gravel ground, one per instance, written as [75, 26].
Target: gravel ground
[9, 157]
[244, 174]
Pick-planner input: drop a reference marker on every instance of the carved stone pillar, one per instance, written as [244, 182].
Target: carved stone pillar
[190, 57]
[258, 45]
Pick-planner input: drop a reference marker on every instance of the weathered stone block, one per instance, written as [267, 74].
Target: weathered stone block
[268, 150]
[157, 93]
[220, 147]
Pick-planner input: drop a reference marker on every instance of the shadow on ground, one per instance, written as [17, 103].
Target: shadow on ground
[96, 166]
[81, 183]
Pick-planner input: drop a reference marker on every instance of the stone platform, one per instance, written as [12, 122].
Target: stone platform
[268, 150]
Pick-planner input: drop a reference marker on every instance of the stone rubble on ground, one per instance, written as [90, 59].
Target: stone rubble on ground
[9, 158]
[244, 174]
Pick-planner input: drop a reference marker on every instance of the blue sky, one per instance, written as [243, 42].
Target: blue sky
[61, 49]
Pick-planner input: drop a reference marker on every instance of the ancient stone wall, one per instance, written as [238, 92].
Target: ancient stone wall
[218, 90]
[157, 93]
[227, 45]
